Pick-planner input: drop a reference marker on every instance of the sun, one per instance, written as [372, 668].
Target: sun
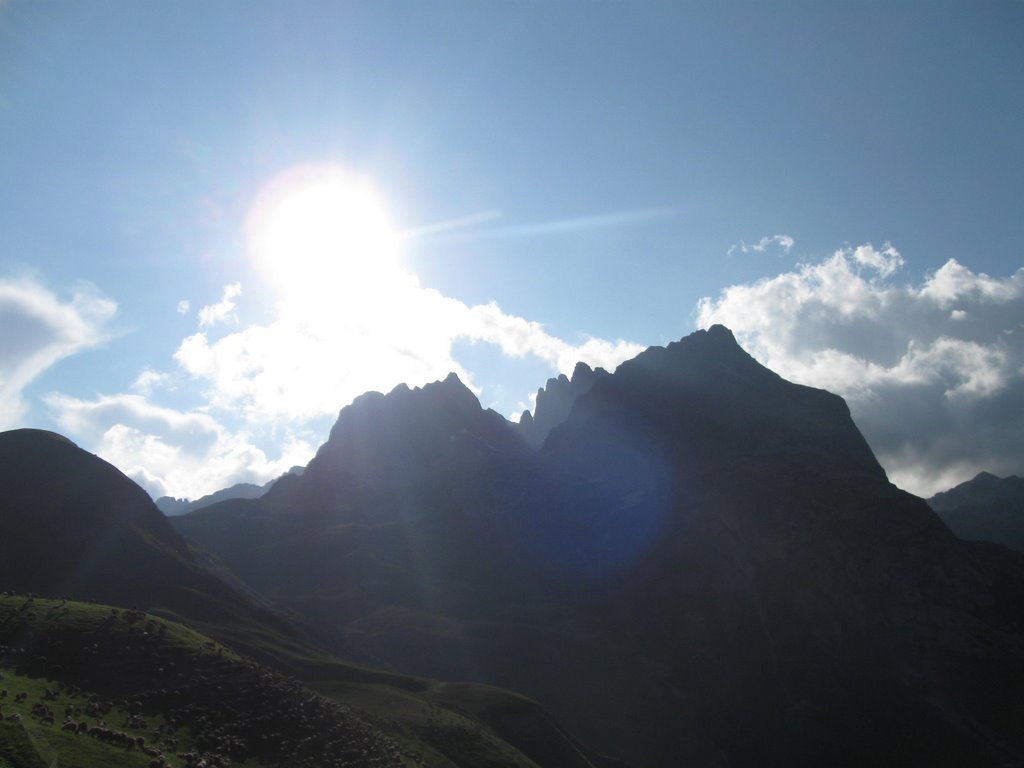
[323, 231]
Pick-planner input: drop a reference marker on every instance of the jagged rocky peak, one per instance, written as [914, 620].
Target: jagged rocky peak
[408, 431]
[555, 400]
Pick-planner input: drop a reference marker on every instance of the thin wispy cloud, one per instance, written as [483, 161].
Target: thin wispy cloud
[451, 225]
[40, 329]
[785, 242]
[579, 223]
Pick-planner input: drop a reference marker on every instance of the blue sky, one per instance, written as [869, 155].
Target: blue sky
[838, 182]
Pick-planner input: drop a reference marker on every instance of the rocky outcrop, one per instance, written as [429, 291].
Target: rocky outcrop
[400, 438]
[554, 401]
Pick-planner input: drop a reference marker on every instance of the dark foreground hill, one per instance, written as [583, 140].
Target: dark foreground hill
[74, 527]
[986, 508]
[703, 565]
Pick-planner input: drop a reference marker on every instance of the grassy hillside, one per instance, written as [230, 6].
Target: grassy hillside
[90, 685]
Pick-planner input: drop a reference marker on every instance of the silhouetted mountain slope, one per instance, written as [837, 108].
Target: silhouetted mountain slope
[74, 523]
[554, 402]
[75, 526]
[704, 565]
[986, 508]
[386, 441]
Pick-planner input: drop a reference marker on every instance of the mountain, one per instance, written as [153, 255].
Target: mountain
[75, 528]
[387, 459]
[702, 565]
[985, 508]
[171, 506]
[399, 439]
[74, 525]
[554, 402]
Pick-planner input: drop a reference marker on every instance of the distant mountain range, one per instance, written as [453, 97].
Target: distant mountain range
[171, 506]
[985, 508]
[689, 561]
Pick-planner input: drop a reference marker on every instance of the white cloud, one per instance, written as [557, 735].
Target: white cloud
[581, 223]
[347, 320]
[316, 355]
[275, 381]
[149, 380]
[933, 379]
[221, 311]
[884, 262]
[38, 330]
[783, 241]
[319, 353]
[170, 452]
[184, 306]
[518, 337]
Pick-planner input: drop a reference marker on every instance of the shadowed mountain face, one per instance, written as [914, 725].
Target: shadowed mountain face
[45, 549]
[703, 565]
[73, 526]
[401, 439]
[986, 508]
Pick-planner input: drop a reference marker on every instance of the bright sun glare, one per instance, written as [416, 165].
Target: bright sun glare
[323, 231]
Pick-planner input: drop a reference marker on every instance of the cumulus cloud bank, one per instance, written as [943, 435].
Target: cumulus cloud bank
[168, 451]
[39, 330]
[933, 373]
[317, 353]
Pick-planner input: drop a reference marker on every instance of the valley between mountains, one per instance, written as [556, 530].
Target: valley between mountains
[689, 561]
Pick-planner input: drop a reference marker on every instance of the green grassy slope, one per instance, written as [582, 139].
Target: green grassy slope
[90, 685]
